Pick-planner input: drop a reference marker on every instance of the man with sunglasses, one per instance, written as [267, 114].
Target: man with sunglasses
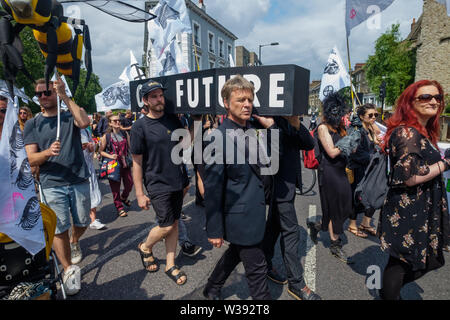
[3, 106]
[64, 175]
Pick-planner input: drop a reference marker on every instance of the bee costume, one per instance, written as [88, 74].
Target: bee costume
[54, 36]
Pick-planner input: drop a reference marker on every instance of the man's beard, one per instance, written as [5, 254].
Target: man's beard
[157, 107]
[49, 106]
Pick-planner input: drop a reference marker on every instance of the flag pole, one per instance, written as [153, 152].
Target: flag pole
[58, 121]
[350, 73]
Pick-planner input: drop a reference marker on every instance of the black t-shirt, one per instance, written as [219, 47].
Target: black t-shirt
[151, 138]
[67, 168]
[126, 122]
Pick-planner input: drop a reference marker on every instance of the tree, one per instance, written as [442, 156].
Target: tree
[347, 95]
[34, 62]
[85, 97]
[393, 59]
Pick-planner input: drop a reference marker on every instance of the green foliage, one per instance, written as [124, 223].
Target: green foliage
[34, 62]
[447, 103]
[345, 92]
[393, 59]
[85, 97]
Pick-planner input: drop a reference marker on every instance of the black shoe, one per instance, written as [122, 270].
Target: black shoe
[337, 251]
[210, 296]
[189, 249]
[304, 294]
[276, 277]
[314, 228]
[185, 217]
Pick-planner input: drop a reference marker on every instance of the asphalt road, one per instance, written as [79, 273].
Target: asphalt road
[112, 270]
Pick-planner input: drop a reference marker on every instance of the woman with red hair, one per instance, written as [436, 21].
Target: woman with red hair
[414, 226]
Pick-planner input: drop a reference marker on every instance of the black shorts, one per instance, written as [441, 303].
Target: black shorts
[167, 207]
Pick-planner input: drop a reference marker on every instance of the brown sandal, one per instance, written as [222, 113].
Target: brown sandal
[145, 259]
[123, 213]
[369, 230]
[357, 232]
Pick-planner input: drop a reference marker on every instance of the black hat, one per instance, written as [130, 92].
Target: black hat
[149, 86]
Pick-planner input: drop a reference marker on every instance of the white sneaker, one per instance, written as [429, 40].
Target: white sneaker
[75, 252]
[97, 225]
[72, 280]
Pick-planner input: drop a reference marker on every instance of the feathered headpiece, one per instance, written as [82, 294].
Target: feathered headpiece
[334, 108]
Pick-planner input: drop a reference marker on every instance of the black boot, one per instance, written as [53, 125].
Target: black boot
[337, 251]
[314, 228]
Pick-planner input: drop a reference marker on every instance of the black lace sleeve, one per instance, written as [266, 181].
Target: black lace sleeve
[406, 145]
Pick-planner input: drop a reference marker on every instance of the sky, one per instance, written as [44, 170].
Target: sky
[305, 30]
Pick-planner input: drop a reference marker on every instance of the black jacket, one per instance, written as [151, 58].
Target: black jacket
[235, 201]
[292, 141]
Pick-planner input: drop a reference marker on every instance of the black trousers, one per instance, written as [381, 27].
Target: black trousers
[283, 221]
[255, 267]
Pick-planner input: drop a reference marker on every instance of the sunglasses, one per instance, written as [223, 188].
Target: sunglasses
[47, 93]
[429, 97]
[3, 111]
[115, 121]
[23, 112]
[372, 115]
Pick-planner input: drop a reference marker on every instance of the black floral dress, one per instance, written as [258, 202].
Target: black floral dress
[414, 223]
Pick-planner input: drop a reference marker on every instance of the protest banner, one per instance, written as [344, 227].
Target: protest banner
[280, 90]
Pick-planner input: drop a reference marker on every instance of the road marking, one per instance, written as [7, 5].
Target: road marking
[121, 247]
[310, 260]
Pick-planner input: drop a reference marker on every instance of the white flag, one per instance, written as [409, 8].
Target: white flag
[116, 96]
[132, 72]
[69, 94]
[447, 4]
[171, 61]
[20, 212]
[172, 18]
[335, 76]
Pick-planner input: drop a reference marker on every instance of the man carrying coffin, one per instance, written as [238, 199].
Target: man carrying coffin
[235, 196]
[294, 137]
[151, 148]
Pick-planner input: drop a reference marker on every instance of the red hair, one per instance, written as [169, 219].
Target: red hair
[405, 115]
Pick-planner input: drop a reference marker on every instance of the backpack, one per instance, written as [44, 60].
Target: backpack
[374, 186]
[311, 158]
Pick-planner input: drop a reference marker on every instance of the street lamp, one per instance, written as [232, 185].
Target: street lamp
[265, 45]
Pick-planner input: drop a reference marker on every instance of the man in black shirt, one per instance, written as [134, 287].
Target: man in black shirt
[127, 121]
[151, 148]
[283, 218]
[102, 125]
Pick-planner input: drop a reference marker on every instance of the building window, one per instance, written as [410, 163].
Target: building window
[211, 64]
[210, 42]
[221, 48]
[230, 48]
[197, 34]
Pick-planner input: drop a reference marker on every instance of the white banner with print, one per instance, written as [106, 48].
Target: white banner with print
[116, 96]
[20, 212]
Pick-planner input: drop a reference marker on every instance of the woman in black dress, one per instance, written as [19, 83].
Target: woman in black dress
[334, 187]
[414, 224]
